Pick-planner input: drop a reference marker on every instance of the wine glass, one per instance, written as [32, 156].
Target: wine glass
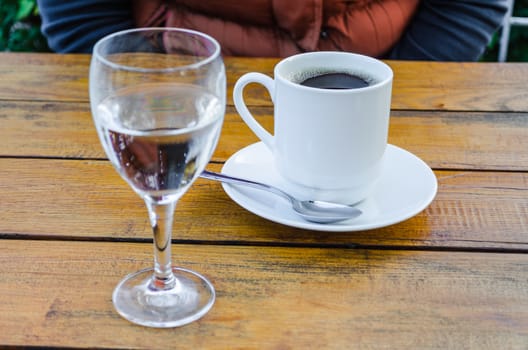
[158, 101]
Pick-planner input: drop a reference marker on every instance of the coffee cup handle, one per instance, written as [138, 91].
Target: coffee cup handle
[244, 112]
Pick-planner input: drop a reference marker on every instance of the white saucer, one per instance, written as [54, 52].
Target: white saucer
[406, 187]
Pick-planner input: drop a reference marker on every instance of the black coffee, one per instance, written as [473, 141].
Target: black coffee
[335, 81]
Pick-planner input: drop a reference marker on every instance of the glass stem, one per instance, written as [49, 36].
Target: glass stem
[161, 219]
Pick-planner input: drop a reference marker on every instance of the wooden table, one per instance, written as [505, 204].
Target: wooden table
[454, 276]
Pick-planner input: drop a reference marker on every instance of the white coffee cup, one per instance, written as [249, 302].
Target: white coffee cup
[328, 143]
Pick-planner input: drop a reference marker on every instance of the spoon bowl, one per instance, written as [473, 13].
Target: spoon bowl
[311, 210]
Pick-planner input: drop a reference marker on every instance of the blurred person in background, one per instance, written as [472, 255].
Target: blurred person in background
[442, 30]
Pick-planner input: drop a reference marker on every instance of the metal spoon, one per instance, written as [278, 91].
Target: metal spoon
[311, 210]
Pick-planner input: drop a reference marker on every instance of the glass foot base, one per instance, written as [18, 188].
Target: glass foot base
[137, 301]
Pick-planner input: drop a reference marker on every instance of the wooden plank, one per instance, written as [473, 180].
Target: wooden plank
[66, 130]
[448, 86]
[48, 129]
[417, 85]
[88, 200]
[453, 86]
[44, 76]
[455, 140]
[58, 294]
[445, 140]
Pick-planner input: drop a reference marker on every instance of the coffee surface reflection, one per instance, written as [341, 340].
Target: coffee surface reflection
[335, 81]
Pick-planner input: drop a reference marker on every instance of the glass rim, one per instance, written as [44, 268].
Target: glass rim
[214, 55]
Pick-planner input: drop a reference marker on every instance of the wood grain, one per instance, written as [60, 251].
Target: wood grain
[453, 276]
[443, 86]
[417, 85]
[48, 129]
[445, 140]
[469, 140]
[454, 86]
[59, 294]
[44, 77]
[87, 199]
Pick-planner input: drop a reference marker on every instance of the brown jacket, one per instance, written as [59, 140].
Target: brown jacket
[278, 28]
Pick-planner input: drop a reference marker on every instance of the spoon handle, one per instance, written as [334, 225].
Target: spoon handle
[239, 181]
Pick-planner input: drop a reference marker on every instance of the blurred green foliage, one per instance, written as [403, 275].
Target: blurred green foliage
[20, 31]
[20, 26]
[518, 44]
[518, 48]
